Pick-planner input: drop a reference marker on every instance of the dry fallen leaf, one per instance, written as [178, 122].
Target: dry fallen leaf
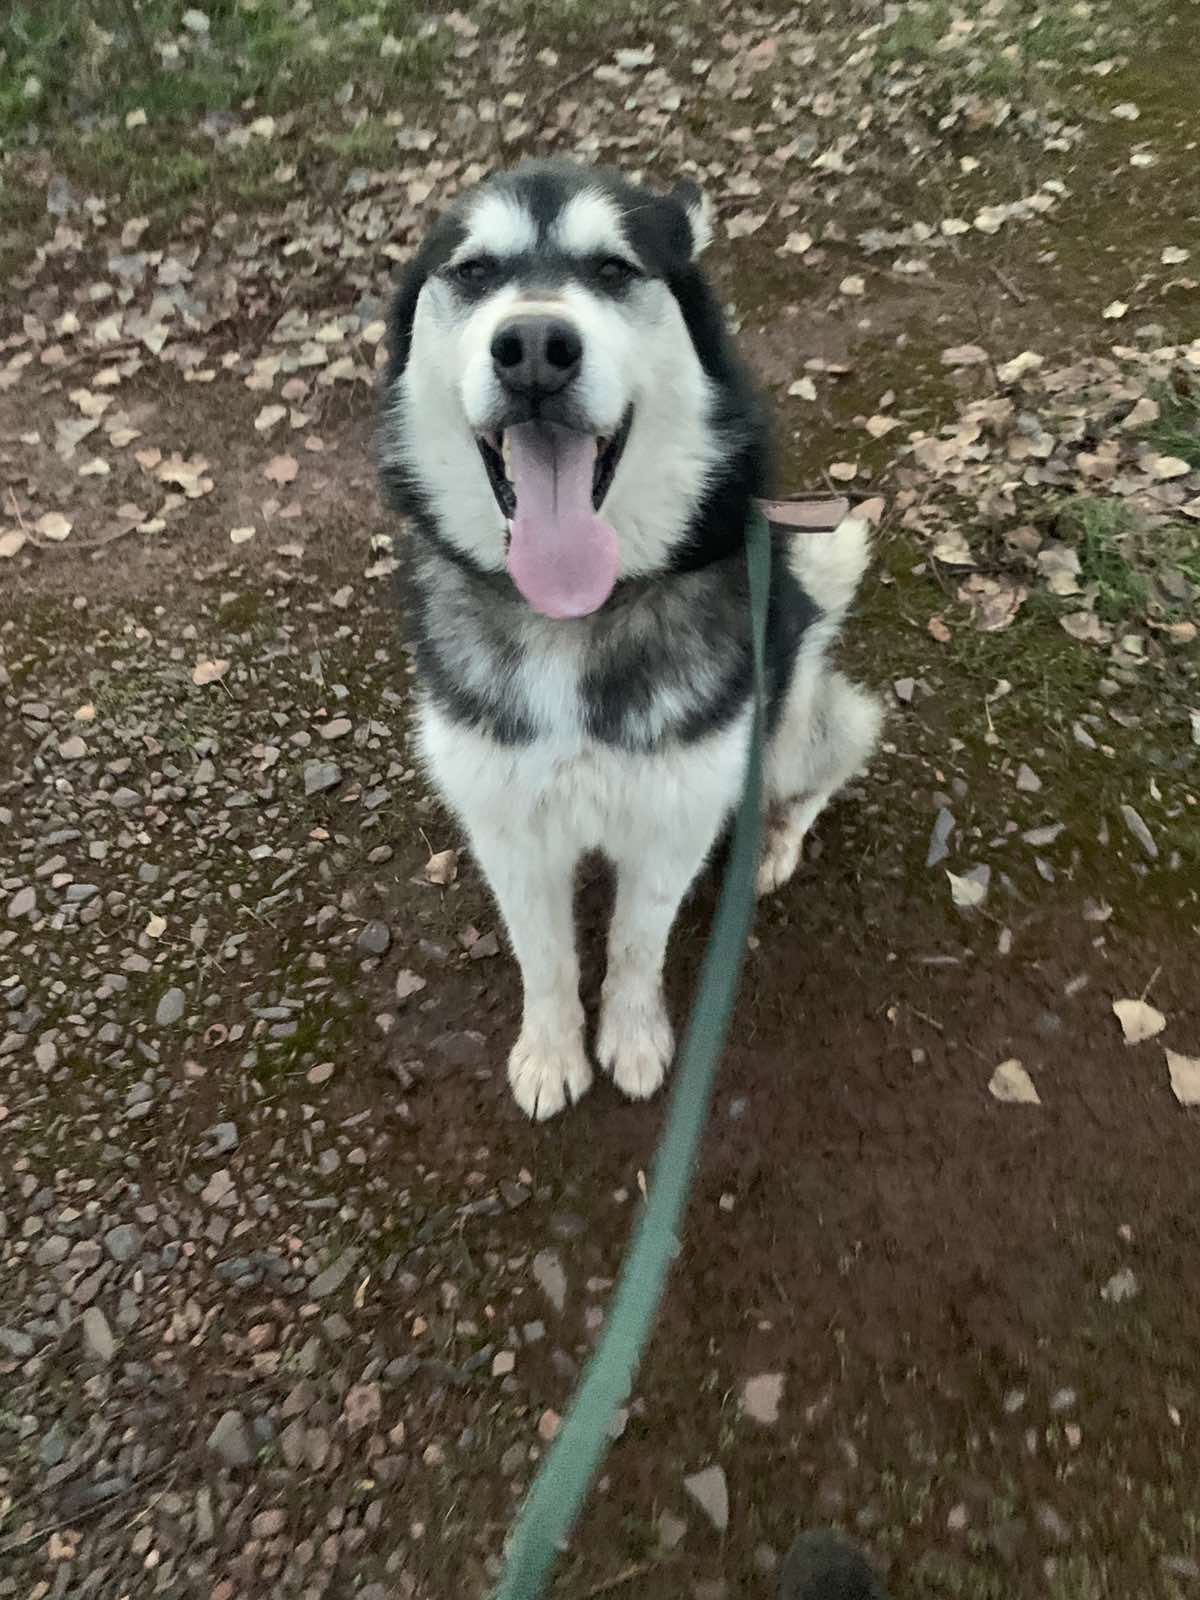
[1139, 1021]
[952, 550]
[53, 525]
[1087, 627]
[209, 672]
[407, 984]
[1115, 310]
[268, 417]
[967, 892]
[1027, 361]
[938, 630]
[803, 389]
[281, 469]
[1059, 565]
[442, 868]
[12, 543]
[994, 602]
[1166, 467]
[240, 535]
[1012, 1084]
[964, 355]
[1185, 1077]
[843, 471]
[1174, 256]
[798, 244]
[879, 425]
[854, 285]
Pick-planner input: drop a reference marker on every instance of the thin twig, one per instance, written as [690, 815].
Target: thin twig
[1008, 285]
[547, 100]
[638, 1570]
[14, 1545]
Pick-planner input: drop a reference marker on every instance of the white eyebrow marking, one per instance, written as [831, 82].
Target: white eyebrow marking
[499, 224]
[590, 225]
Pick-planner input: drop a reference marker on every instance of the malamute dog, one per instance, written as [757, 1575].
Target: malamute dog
[576, 446]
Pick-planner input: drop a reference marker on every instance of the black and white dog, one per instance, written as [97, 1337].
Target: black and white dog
[576, 446]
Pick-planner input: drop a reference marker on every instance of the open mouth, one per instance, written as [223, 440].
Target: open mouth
[496, 451]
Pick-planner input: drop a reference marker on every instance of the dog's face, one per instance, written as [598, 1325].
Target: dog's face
[551, 404]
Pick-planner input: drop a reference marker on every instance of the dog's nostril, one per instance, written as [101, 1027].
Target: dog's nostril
[562, 349]
[507, 350]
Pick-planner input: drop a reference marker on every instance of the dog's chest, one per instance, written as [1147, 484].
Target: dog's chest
[669, 666]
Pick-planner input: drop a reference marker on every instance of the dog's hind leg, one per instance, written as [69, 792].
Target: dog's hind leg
[826, 735]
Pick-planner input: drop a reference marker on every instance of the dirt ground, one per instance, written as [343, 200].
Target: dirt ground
[291, 1295]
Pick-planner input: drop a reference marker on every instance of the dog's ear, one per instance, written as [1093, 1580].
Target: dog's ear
[697, 209]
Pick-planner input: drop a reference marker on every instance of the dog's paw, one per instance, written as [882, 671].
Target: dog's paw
[782, 849]
[635, 1044]
[547, 1072]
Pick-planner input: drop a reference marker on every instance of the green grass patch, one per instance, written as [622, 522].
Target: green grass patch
[1177, 431]
[62, 61]
[997, 50]
[1104, 531]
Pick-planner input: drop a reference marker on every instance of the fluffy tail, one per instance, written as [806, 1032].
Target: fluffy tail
[823, 1566]
[830, 565]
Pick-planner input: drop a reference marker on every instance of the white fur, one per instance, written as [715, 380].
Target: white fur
[591, 226]
[530, 812]
[498, 224]
[635, 352]
[699, 215]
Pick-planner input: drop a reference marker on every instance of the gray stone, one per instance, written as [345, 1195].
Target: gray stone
[16, 1344]
[1121, 1286]
[1137, 827]
[334, 1275]
[170, 1008]
[761, 1396]
[98, 1339]
[321, 775]
[231, 1440]
[711, 1493]
[123, 1242]
[1028, 781]
[550, 1278]
[53, 1448]
[375, 938]
[22, 903]
[223, 1137]
[939, 840]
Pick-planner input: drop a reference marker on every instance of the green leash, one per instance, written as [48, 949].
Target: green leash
[558, 1491]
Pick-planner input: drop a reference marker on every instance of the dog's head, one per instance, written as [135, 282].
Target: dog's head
[562, 399]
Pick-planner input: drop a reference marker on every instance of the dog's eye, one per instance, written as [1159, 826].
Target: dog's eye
[614, 273]
[472, 274]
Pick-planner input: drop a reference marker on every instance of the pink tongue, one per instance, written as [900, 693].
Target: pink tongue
[562, 556]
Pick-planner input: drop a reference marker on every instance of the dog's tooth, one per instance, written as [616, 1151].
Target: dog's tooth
[506, 455]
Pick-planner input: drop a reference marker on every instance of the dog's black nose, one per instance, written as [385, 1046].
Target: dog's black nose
[536, 356]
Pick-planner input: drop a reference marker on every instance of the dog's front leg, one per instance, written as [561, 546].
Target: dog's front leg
[655, 869]
[532, 879]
